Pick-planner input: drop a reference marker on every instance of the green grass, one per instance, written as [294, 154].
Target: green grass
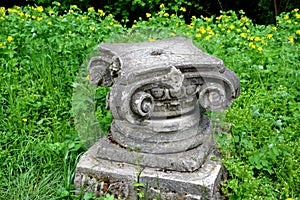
[40, 60]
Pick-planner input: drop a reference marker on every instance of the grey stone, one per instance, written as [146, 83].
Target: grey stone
[103, 176]
[160, 133]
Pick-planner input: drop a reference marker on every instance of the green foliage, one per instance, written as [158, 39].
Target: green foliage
[42, 50]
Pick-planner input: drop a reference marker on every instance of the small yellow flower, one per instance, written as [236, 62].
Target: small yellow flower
[297, 16]
[49, 23]
[40, 9]
[274, 28]
[298, 32]
[289, 199]
[162, 5]
[182, 9]
[9, 38]
[295, 10]
[134, 21]
[198, 35]
[243, 35]
[238, 30]
[83, 18]
[92, 28]
[193, 17]
[269, 36]
[33, 17]
[101, 13]
[91, 9]
[166, 14]
[73, 6]
[259, 48]
[148, 15]
[87, 77]
[207, 37]
[231, 27]
[256, 39]
[24, 120]
[151, 39]
[51, 12]
[39, 19]
[286, 17]
[207, 19]
[219, 25]
[291, 39]
[71, 11]
[172, 34]
[58, 4]
[248, 31]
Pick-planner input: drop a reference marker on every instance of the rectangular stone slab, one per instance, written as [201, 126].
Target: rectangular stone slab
[103, 176]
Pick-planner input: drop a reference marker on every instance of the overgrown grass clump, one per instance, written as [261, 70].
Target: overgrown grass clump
[41, 53]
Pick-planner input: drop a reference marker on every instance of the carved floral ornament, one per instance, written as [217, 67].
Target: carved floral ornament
[155, 92]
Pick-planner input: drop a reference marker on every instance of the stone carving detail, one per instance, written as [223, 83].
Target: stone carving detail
[155, 92]
[160, 91]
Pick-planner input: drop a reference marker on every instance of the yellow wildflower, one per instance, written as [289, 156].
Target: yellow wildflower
[21, 13]
[182, 9]
[87, 77]
[39, 19]
[256, 39]
[286, 17]
[71, 11]
[40, 9]
[219, 25]
[162, 5]
[33, 17]
[24, 120]
[289, 21]
[91, 9]
[92, 28]
[148, 15]
[27, 15]
[298, 32]
[269, 36]
[151, 39]
[297, 16]
[58, 4]
[193, 17]
[73, 6]
[172, 34]
[259, 48]
[101, 13]
[274, 28]
[238, 30]
[295, 10]
[207, 19]
[9, 38]
[248, 31]
[252, 45]
[198, 35]
[207, 37]
[291, 39]
[231, 27]
[51, 12]
[50, 23]
[166, 14]
[134, 21]
[83, 18]
[289, 199]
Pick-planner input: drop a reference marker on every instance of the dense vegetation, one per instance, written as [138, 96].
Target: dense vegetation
[42, 50]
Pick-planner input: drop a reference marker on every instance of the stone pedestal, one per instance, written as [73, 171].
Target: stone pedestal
[160, 141]
[103, 176]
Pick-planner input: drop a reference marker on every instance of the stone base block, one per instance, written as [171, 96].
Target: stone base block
[102, 176]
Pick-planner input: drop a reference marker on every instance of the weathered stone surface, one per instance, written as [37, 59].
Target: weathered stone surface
[102, 176]
[160, 135]
[155, 92]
